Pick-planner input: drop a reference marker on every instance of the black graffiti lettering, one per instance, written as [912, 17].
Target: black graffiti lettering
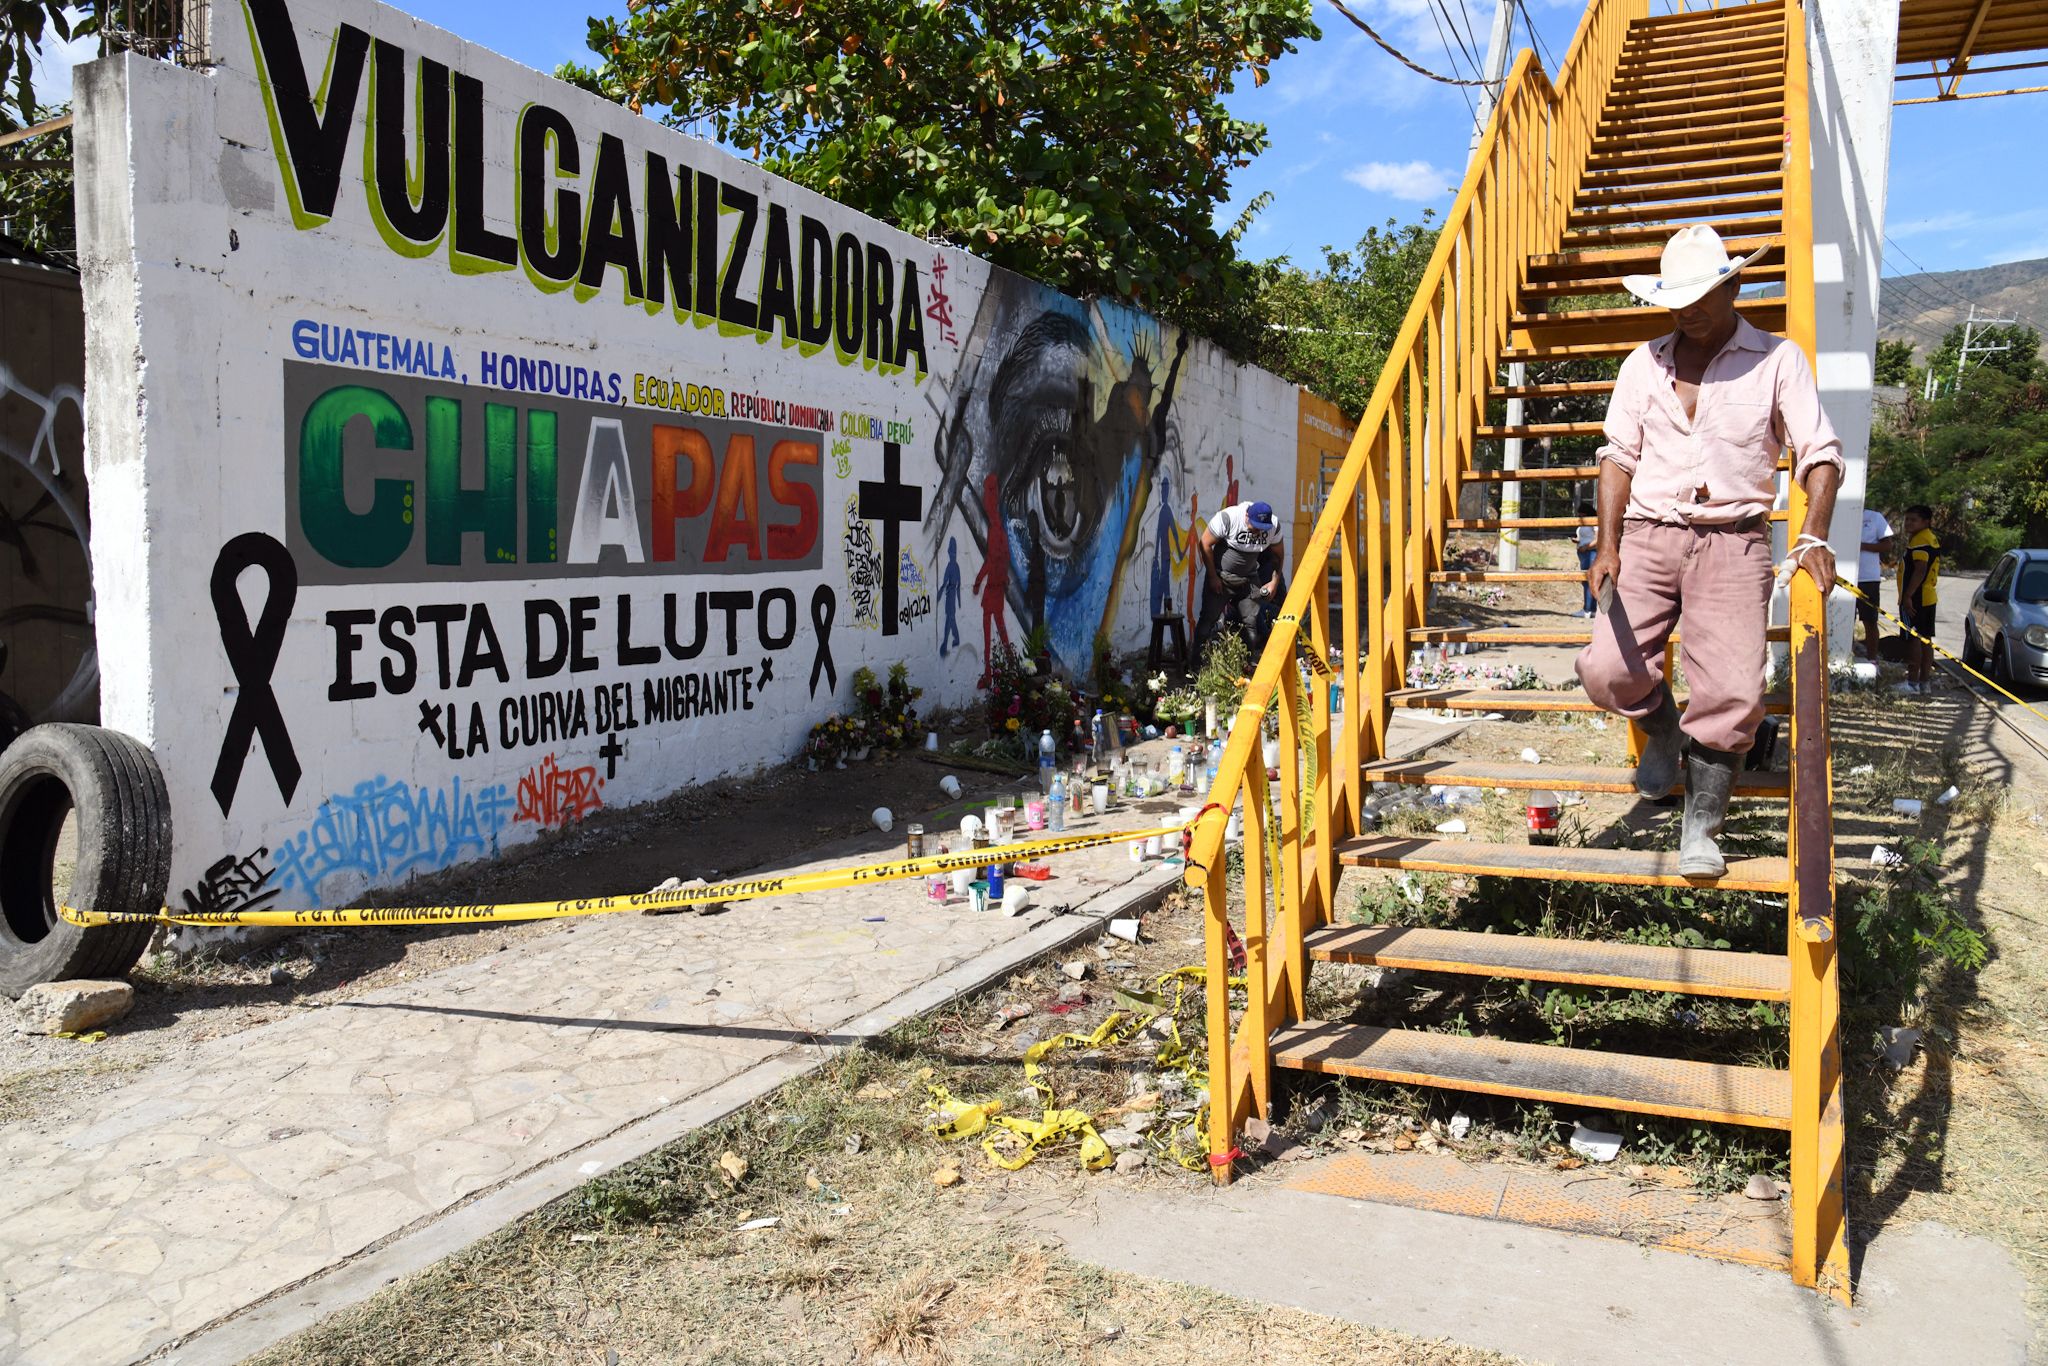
[473, 240]
[481, 650]
[539, 663]
[732, 604]
[613, 238]
[441, 616]
[668, 233]
[910, 321]
[425, 222]
[778, 275]
[315, 140]
[400, 666]
[347, 625]
[731, 307]
[582, 624]
[252, 653]
[629, 653]
[847, 294]
[881, 306]
[546, 138]
[814, 296]
[707, 246]
[697, 641]
[770, 637]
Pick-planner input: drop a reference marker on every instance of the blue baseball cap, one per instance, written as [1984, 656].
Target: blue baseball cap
[1261, 514]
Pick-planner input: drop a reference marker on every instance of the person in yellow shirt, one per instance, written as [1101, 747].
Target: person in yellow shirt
[1919, 573]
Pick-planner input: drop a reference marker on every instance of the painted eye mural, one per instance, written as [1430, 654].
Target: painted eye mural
[1057, 437]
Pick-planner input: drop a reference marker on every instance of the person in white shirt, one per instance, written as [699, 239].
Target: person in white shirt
[1241, 563]
[1877, 539]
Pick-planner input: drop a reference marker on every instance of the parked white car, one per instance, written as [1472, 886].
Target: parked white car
[2006, 631]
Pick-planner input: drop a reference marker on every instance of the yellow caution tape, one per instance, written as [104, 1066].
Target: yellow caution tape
[739, 889]
[1011, 1141]
[1858, 593]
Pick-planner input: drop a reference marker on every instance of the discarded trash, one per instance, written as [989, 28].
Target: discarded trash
[873, 919]
[753, 1224]
[733, 1166]
[1077, 969]
[1862, 770]
[948, 1175]
[1410, 888]
[1898, 1044]
[1530, 756]
[1125, 929]
[1453, 827]
[1009, 1015]
[853, 1144]
[1761, 1187]
[1945, 798]
[1598, 723]
[931, 740]
[1906, 806]
[1595, 1143]
[1886, 858]
[1016, 898]
[1461, 1124]
[883, 818]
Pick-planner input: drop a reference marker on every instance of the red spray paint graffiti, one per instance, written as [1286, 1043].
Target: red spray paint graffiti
[553, 796]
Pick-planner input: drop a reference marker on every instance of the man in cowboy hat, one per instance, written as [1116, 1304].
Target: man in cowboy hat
[1694, 430]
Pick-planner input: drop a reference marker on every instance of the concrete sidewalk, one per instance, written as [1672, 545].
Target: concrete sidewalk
[271, 1157]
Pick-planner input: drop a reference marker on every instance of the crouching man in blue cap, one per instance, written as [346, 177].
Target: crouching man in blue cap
[1241, 563]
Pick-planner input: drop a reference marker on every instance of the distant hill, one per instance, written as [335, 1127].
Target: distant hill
[1922, 308]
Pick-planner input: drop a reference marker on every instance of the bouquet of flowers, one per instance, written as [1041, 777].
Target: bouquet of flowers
[1024, 700]
[887, 711]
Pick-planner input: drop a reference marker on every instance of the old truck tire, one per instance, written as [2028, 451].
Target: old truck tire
[123, 831]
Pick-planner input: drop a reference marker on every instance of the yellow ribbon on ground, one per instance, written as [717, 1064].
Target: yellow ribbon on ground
[739, 889]
[1856, 592]
[1012, 1141]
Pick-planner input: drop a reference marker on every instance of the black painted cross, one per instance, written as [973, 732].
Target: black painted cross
[610, 751]
[891, 502]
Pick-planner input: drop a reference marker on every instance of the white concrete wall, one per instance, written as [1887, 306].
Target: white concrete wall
[1851, 51]
[212, 269]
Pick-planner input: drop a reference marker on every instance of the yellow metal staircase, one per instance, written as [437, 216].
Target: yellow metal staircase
[1651, 123]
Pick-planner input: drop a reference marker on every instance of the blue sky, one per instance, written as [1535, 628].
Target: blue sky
[1357, 139]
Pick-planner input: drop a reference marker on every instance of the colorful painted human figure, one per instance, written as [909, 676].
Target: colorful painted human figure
[1230, 474]
[1170, 548]
[949, 596]
[992, 580]
[1189, 558]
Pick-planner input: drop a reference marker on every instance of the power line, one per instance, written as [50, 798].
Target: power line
[1536, 39]
[1403, 58]
[1436, 8]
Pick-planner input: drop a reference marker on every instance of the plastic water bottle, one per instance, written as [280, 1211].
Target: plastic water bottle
[1045, 761]
[1098, 739]
[1056, 811]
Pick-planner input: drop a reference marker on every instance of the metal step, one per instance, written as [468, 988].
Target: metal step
[1747, 53]
[1757, 1096]
[1539, 777]
[1528, 635]
[1636, 260]
[1579, 962]
[1742, 67]
[1659, 191]
[1636, 867]
[1678, 157]
[1762, 225]
[1551, 474]
[1508, 576]
[1757, 272]
[1561, 389]
[1539, 355]
[1673, 211]
[1704, 85]
[1754, 164]
[1529, 700]
[1733, 111]
[1639, 321]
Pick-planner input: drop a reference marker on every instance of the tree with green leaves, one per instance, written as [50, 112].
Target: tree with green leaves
[2017, 350]
[1083, 144]
[1894, 362]
[1330, 329]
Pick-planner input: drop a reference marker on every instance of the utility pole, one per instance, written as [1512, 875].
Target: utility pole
[1970, 324]
[1497, 43]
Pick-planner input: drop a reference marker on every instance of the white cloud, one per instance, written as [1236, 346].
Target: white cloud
[1416, 181]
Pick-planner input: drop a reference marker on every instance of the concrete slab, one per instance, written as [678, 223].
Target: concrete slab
[1927, 1293]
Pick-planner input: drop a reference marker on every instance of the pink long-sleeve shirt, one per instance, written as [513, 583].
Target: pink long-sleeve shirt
[1756, 397]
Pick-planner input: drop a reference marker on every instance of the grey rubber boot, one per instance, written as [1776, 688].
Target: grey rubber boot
[1709, 779]
[1657, 768]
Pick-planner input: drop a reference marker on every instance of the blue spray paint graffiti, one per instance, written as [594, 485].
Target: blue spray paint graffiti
[386, 829]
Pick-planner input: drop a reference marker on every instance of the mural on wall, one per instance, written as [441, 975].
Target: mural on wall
[49, 668]
[1060, 431]
[584, 461]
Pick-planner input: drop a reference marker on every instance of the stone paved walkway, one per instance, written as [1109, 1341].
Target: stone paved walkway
[272, 1155]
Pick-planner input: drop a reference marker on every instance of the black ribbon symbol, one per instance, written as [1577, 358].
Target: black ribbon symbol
[252, 654]
[823, 605]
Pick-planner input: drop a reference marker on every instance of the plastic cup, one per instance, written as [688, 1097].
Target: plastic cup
[1099, 794]
[961, 878]
[977, 895]
[1155, 845]
[1138, 851]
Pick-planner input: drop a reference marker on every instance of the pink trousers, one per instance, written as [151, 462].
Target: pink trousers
[1719, 582]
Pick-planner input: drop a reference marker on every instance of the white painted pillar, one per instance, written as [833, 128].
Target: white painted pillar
[1852, 47]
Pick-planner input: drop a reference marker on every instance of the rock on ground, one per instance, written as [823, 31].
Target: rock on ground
[69, 1007]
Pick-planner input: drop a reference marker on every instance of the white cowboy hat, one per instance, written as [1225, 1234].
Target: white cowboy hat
[1694, 262]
